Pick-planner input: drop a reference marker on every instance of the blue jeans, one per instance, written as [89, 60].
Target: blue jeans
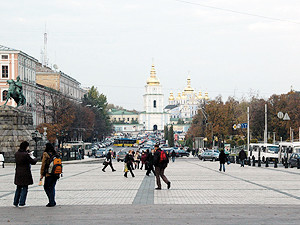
[221, 167]
[242, 162]
[173, 159]
[49, 187]
[20, 195]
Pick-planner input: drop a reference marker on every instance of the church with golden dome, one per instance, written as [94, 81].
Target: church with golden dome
[185, 106]
[153, 117]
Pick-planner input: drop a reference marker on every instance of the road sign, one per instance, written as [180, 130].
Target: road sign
[234, 126]
[280, 115]
[286, 117]
[244, 125]
[238, 126]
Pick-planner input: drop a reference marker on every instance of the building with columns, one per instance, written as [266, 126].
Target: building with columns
[14, 63]
[153, 117]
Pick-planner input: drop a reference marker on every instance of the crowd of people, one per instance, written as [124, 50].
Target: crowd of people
[155, 161]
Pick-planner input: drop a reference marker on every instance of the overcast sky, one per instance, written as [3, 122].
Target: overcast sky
[111, 44]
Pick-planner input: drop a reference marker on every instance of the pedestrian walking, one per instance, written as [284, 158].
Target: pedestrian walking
[128, 163]
[173, 155]
[160, 162]
[50, 179]
[23, 176]
[143, 160]
[108, 161]
[2, 159]
[150, 163]
[223, 159]
[242, 157]
[137, 159]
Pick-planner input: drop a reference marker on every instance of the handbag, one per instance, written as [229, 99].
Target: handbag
[105, 163]
[125, 168]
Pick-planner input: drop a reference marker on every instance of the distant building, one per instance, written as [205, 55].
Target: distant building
[124, 120]
[153, 117]
[184, 107]
[60, 81]
[15, 63]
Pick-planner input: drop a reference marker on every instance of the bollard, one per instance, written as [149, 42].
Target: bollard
[267, 162]
[259, 162]
[298, 163]
[275, 163]
[253, 161]
[249, 161]
[286, 163]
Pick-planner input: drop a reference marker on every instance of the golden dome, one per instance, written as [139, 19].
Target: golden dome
[206, 96]
[183, 96]
[188, 88]
[200, 95]
[178, 96]
[153, 80]
[171, 97]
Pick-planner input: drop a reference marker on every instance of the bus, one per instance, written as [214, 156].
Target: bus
[126, 142]
[267, 151]
[75, 145]
[288, 148]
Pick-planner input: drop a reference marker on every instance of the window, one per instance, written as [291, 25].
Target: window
[4, 95]
[4, 56]
[154, 104]
[4, 71]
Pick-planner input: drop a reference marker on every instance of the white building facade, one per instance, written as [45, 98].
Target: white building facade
[153, 118]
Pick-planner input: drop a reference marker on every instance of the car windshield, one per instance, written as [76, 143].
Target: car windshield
[273, 149]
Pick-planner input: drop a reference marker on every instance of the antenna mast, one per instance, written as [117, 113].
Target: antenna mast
[45, 59]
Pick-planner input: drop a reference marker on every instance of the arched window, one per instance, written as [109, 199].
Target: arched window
[4, 95]
[154, 104]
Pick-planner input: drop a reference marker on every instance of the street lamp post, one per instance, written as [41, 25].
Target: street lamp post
[35, 136]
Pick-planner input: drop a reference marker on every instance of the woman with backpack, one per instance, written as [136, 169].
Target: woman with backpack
[23, 176]
[50, 179]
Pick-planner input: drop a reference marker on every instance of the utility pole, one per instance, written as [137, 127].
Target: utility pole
[248, 129]
[274, 138]
[266, 126]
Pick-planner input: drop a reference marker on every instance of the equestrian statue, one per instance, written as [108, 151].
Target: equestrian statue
[15, 91]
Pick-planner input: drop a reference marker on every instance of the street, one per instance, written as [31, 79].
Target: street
[85, 194]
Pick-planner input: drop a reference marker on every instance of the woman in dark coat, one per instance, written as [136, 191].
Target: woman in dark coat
[23, 176]
[129, 163]
[222, 158]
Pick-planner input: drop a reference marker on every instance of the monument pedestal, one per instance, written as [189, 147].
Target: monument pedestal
[15, 126]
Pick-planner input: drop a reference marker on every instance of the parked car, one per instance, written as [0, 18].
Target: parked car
[210, 155]
[121, 156]
[100, 153]
[293, 159]
[182, 153]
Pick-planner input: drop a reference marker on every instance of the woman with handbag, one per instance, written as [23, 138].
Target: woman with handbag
[128, 163]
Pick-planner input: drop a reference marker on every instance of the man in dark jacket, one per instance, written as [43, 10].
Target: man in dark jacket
[242, 157]
[173, 155]
[108, 161]
[160, 166]
[23, 176]
[150, 162]
[222, 158]
[129, 163]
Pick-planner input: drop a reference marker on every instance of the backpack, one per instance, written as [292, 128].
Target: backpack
[163, 157]
[55, 166]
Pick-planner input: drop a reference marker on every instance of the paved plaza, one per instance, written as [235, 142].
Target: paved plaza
[199, 194]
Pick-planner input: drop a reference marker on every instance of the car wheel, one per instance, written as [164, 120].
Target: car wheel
[203, 159]
[118, 160]
[213, 159]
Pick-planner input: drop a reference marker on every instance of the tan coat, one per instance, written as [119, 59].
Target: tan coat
[45, 164]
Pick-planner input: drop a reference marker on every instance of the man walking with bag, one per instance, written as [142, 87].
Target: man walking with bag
[108, 161]
[160, 162]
